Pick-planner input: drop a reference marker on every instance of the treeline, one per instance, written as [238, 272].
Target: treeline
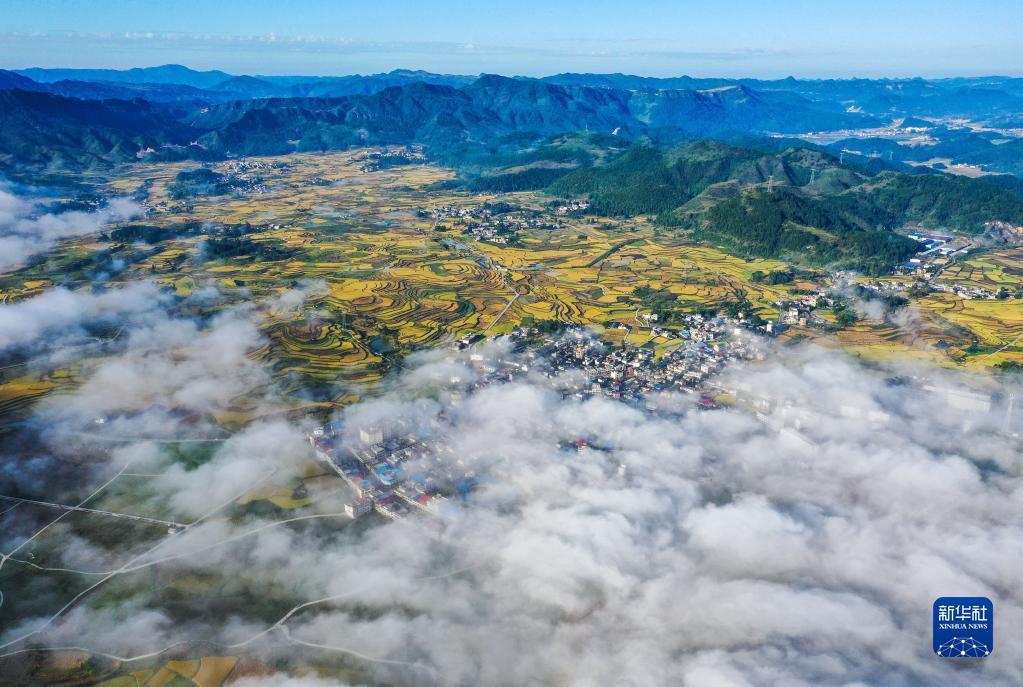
[783, 276]
[939, 201]
[233, 247]
[201, 182]
[638, 182]
[389, 161]
[530, 179]
[147, 233]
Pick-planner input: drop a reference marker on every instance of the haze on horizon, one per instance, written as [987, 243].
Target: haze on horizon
[740, 38]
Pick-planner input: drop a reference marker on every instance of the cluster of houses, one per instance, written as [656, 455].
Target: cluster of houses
[967, 291]
[569, 207]
[483, 223]
[798, 311]
[390, 157]
[246, 175]
[390, 470]
[253, 165]
[631, 373]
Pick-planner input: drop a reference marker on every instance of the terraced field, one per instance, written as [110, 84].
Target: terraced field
[382, 281]
[210, 671]
[22, 386]
[993, 270]
[995, 326]
[986, 332]
[885, 341]
[394, 284]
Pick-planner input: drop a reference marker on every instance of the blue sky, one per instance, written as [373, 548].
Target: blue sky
[767, 38]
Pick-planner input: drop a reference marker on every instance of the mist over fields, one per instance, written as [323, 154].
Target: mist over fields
[25, 231]
[797, 537]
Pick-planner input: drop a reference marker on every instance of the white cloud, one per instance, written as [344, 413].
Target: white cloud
[24, 232]
[710, 548]
[55, 316]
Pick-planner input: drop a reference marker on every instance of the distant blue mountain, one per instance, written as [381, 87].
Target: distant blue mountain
[276, 114]
[217, 86]
[975, 96]
[165, 74]
[981, 96]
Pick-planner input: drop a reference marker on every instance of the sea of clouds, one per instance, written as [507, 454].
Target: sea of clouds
[797, 537]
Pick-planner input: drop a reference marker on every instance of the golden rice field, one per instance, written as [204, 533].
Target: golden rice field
[992, 270]
[21, 387]
[73, 668]
[882, 341]
[983, 332]
[394, 284]
[209, 671]
[19, 393]
[995, 325]
[390, 283]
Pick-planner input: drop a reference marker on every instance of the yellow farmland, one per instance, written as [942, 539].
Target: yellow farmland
[992, 270]
[387, 281]
[209, 671]
[392, 283]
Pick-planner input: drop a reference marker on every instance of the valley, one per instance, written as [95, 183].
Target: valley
[393, 265]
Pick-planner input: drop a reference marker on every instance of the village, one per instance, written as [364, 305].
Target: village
[390, 157]
[940, 252]
[632, 373]
[499, 222]
[397, 472]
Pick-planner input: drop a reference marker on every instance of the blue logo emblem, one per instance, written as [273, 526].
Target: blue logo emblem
[964, 627]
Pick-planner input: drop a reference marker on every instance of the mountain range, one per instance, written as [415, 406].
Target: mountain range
[97, 117]
[974, 96]
[106, 120]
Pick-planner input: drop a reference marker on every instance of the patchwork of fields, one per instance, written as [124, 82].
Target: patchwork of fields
[382, 280]
[991, 329]
[389, 282]
[80, 668]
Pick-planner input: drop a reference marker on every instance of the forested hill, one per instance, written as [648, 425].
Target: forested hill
[799, 203]
[91, 132]
[240, 114]
[41, 131]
